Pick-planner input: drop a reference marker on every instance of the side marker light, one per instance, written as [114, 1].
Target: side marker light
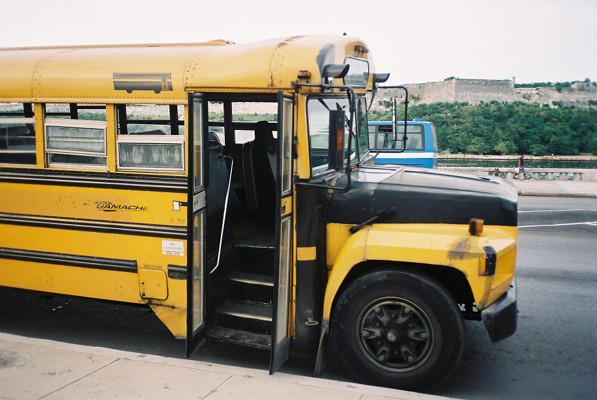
[475, 226]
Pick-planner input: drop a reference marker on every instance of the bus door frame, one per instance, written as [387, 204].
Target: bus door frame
[281, 311]
[196, 207]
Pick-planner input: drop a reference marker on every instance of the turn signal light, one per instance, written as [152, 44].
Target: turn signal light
[475, 226]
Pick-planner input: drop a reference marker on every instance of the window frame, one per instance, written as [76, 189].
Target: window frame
[149, 140]
[75, 123]
[25, 121]
[174, 134]
[173, 122]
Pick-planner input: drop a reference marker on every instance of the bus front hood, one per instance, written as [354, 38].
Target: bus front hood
[416, 195]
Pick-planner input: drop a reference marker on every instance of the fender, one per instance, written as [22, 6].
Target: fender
[443, 245]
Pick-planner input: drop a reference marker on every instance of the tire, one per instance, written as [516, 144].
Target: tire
[398, 329]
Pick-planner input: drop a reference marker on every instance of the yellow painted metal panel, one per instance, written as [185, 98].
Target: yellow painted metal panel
[149, 286]
[174, 318]
[303, 169]
[136, 206]
[153, 284]
[147, 252]
[17, 70]
[39, 136]
[432, 244]
[111, 134]
[101, 74]
[306, 253]
[76, 281]
[337, 235]
[286, 206]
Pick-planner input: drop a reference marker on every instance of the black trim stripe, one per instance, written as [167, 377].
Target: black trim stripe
[108, 264]
[123, 228]
[97, 180]
[177, 272]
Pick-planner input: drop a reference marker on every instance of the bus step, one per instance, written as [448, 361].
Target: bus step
[256, 243]
[251, 286]
[255, 259]
[249, 235]
[243, 338]
[245, 315]
[248, 310]
[249, 278]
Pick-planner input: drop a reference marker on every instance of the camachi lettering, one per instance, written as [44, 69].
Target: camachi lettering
[108, 206]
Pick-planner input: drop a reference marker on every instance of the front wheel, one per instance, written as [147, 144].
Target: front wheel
[398, 329]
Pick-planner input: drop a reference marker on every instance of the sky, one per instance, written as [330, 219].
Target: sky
[416, 41]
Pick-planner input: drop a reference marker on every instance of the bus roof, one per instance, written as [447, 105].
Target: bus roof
[162, 73]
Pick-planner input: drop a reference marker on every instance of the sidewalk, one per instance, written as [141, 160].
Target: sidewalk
[555, 188]
[32, 369]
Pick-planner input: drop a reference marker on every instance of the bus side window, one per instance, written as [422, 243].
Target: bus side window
[17, 134]
[150, 137]
[415, 141]
[386, 138]
[74, 137]
[150, 119]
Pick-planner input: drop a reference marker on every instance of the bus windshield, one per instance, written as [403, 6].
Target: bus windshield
[421, 143]
[383, 138]
[318, 109]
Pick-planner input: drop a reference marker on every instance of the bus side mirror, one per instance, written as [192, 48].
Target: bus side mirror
[336, 140]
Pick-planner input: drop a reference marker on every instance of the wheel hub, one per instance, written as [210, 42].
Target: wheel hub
[392, 336]
[395, 334]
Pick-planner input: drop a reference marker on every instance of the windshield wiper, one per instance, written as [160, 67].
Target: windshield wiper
[378, 215]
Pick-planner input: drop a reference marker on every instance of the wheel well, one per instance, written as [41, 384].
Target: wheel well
[397, 326]
[452, 279]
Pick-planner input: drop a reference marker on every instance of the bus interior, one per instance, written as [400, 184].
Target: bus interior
[241, 196]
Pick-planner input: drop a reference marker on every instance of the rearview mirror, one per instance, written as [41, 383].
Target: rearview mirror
[336, 140]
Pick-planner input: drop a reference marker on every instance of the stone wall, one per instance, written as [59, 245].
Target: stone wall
[575, 96]
[474, 91]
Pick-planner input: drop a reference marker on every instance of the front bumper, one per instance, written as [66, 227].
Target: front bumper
[500, 317]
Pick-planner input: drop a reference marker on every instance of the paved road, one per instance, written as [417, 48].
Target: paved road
[553, 355]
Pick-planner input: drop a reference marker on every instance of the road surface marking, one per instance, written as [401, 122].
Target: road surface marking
[592, 223]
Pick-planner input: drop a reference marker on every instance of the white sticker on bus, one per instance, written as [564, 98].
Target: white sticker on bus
[172, 248]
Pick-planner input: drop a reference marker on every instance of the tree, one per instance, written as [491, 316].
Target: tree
[506, 128]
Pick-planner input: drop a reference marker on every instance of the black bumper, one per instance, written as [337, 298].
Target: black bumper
[500, 317]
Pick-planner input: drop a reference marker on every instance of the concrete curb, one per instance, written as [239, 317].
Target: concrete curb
[532, 193]
[33, 368]
[556, 189]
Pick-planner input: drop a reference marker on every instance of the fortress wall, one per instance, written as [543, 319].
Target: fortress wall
[578, 95]
[477, 90]
[474, 91]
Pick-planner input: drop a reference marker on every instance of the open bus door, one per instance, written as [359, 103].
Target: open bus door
[280, 350]
[196, 207]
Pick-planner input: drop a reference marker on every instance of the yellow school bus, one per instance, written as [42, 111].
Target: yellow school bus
[229, 187]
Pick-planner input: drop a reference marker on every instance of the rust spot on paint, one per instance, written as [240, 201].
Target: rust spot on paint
[460, 249]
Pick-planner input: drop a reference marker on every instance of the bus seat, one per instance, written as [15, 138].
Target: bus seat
[264, 137]
[259, 159]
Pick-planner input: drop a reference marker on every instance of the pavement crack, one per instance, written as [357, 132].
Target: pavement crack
[79, 379]
[217, 388]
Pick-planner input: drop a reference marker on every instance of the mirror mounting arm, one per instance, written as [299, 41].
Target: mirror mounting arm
[394, 113]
